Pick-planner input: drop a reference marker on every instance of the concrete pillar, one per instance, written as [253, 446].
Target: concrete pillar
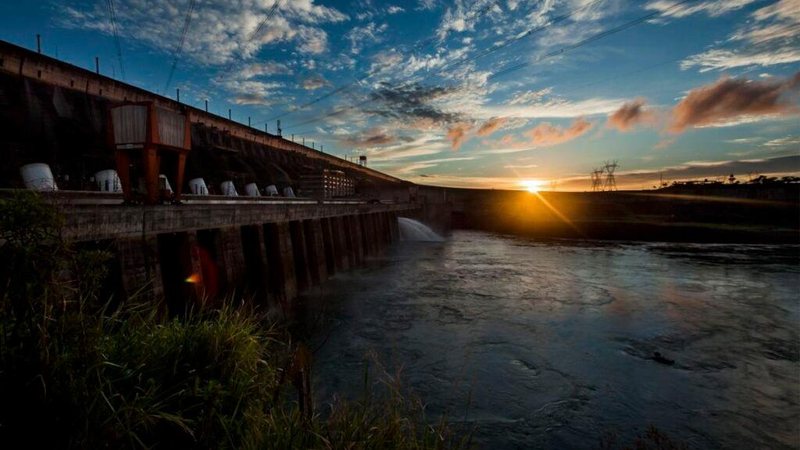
[331, 256]
[231, 258]
[301, 268]
[343, 231]
[282, 279]
[382, 230]
[141, 270]
[343, 251]
[356, 239]
[394, 226]
[256, 262]
[366, 238]
[315, 251]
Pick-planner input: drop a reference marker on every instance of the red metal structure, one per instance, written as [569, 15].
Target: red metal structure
[153, 140]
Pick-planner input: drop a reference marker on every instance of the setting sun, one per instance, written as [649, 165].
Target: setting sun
[532, 185]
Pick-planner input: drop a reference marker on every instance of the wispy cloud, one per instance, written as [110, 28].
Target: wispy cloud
[457, 134]
[772, 37]
[491, 125]
[713, 8]
[783, 142]
[221, 31]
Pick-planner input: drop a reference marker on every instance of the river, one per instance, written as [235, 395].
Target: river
[550, 344]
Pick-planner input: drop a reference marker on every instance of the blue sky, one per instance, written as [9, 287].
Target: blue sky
[481, 93]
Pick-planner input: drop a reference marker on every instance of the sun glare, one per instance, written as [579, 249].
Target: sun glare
[532, 185]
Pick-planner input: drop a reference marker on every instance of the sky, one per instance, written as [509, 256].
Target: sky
[481, 93]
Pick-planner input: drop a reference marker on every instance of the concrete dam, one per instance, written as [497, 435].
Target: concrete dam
[192, 204]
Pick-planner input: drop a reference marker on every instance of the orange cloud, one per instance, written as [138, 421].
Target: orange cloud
[457, 134]
[491, 125]
[546, 134]
[734, 98]
[629, 115]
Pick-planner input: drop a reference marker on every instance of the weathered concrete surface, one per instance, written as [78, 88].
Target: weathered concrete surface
[98, 222]
[141, 271]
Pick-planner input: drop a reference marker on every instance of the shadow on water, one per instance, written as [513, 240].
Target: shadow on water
[553, 344]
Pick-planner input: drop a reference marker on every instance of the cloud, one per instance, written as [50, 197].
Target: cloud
[551, 109]
[412, 103]
[713, 8]
[727, 59]
[373, 137]
[314, 82]
[251, 92]
[394, 9]
[263, 69]
[427, 5]
[457, 134]
[221, 32]
[779, 20]
[785, 141]
[546, 134]
[732, 99]
[629, 115]
[427, 164]
[369, 33]
[543, 135]
[529, 97]
[773, 37]
[521, 166]
[491, 125]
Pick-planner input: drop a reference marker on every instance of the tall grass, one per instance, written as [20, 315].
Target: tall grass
[75, 373]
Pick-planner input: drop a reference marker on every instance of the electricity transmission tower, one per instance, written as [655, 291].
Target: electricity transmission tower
[610, 182]
[597, 179]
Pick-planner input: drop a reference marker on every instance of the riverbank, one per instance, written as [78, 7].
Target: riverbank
[634, 215]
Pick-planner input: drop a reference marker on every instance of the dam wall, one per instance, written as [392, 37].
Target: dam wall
[263, 251]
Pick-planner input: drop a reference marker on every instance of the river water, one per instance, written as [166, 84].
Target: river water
[550, 344]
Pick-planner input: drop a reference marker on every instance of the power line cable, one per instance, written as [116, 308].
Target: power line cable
[590, 39]
[420, 44]
[179, 49]
[113, 19]
[551, 54]
[250, 37]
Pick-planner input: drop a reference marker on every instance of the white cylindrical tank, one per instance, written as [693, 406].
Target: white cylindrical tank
[251, 189]
[163, 182]
[198, 186]
[38, 177]
[228, 189]
[288, 191]
[108, 181]
[272, 191]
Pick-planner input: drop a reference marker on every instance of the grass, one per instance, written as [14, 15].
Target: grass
[77, 373]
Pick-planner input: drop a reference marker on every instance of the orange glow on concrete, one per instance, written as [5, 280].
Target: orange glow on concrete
[193, 278]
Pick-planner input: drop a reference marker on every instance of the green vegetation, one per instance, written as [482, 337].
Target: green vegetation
[77, 373]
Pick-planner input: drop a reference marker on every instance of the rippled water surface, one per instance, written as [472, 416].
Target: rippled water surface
[550, 344]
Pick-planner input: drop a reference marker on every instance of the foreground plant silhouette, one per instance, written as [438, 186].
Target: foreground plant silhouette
[77, 373]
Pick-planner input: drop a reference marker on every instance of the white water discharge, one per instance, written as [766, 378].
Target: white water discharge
[412, 230]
